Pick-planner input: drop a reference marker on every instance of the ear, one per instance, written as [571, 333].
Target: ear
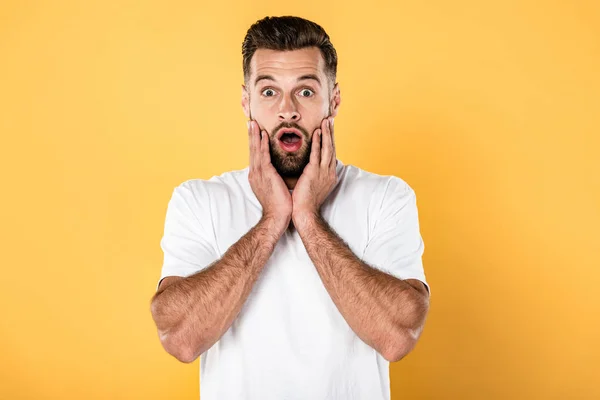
[336, 99]
[245, 101]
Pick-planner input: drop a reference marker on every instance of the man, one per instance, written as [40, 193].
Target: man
[297, 277]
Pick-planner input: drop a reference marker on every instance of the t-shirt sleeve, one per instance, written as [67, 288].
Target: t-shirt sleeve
[395, 245]
[186, 240]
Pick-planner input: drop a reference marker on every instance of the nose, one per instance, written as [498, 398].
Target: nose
[288, 110]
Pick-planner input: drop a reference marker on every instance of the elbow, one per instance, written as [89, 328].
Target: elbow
[172, 337]
[183, 355]
[177, 347]
[404, 341]
[402, 346]
[405, 338]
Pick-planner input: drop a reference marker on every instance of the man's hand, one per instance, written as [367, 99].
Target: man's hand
[268, 186]
[319, 176]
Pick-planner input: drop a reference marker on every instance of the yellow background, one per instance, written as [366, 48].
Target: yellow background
[489, 110]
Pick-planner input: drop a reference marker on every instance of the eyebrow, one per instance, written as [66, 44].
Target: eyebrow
[302, 78]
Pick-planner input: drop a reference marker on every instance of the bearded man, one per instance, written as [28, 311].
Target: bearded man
[297, 277]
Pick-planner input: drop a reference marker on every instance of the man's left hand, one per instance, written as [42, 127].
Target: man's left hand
[318, 177]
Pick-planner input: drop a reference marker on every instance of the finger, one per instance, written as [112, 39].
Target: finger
[254, 145]
[326, 145]
[315, 151]
[265, 156]
[250, 143]
[333, 155]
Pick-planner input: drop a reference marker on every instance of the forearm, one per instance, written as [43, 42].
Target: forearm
[193, 313]
[385, 312]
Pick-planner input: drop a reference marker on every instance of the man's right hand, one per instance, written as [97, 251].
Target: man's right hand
[266, 183]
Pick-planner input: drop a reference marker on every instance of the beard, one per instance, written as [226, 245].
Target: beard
[290, 165]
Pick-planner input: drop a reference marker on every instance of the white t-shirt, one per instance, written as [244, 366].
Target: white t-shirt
[289, 341]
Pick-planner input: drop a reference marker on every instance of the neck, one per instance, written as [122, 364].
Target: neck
[290, 182]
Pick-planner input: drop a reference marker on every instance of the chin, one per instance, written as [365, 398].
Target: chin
[290, 166]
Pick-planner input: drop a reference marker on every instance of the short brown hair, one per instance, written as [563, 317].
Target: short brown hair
[288, 33]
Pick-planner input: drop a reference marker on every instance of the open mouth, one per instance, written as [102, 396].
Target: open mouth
[290, 140]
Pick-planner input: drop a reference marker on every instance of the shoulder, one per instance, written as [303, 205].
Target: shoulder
[214, 187]
[202, 195]
[378, 185]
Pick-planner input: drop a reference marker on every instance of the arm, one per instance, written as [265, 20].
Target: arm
[192, 313]
[387, 313]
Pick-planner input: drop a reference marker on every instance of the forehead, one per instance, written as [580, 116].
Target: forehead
[287, 63]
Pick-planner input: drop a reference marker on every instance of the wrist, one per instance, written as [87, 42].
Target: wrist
[274, 225]
[302, 216]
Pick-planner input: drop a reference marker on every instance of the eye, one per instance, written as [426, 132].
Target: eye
[306, 93]
[268, 93]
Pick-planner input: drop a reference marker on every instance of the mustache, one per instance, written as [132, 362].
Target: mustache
[290, 125]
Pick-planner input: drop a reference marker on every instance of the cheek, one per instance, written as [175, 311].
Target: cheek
[316, 116]
[316, 112]
[263, 109]
[266, 118]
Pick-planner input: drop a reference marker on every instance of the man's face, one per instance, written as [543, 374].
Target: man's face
[288, 91]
